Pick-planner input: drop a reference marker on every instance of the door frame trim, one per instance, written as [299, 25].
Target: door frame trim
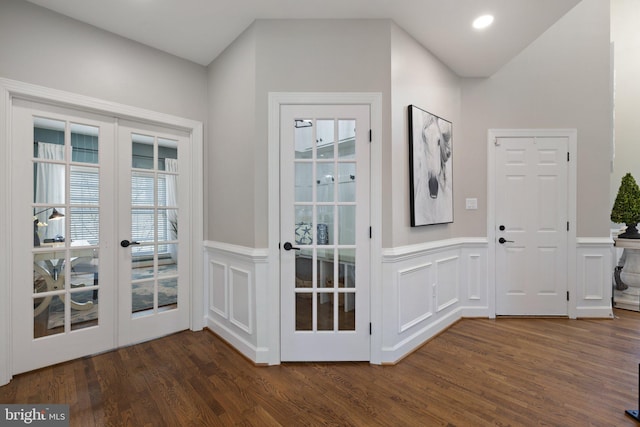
[271, 308]
[572, 136]
[11, 89]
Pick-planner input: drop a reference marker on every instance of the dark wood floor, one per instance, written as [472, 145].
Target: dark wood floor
[506, 372]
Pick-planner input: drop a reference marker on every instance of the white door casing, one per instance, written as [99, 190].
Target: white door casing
[324, 162]
[531, 221]
[10, 91]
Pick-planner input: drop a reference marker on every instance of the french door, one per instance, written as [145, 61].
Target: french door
[152, 254]
[82, 184]
[531, 206]
[325, 242]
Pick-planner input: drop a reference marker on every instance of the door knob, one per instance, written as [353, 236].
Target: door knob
[288, 246]
[502, 241]
[125, 243]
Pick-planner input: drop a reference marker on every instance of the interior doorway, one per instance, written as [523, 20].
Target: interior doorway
[82, 184]
[532, 221]
[325, 240]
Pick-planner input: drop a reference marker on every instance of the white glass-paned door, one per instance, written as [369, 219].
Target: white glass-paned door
[63, 285]
[154, 275]
[325, 246]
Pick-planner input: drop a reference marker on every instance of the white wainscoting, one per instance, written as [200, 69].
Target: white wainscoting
[595, 263]
[425, 289]
[428, 287]
[236, 280]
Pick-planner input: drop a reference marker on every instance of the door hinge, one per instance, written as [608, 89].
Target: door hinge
[567, 295]
[568, 157]
[496, 142]
[370, 135]
[370, 328]
[567, 225]
[370, 232]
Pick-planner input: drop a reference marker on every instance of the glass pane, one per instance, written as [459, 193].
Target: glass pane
[84, 226]
[47, 132]
[347, 139]
[49, 266]
[142, 225]
[142, 151]
[48, 227]
[167, 155]
[168, 262]
[48, 316]
[168, 293]
[304, 311]
[49, 183]
[167, 190]
[303, 182]
[84, 143]
[84, 185]
[325, 182]
[347, 312]
[325, 138]
[325, 268]
[325, 312]
[85, 313]
[164, 227]
[304, 269]
[142, 190]
[84, 264]
[304, 225]
[142, 268]
[142, 296]
[347, 232]
[325, 225]
[303, 138]
[347, 259]
[347, 182]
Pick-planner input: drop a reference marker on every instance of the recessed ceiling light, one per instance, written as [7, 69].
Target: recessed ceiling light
[482, 22]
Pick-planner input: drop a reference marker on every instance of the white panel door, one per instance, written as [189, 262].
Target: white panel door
[153, 230]
[325, 243]
[531, 225]
[62, 218]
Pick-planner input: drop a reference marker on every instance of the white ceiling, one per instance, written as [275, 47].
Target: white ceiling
[199, 30]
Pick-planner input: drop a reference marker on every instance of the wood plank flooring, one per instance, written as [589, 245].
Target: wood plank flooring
[480, 372]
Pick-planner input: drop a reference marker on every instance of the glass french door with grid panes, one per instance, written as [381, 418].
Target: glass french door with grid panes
[154, 275]
[325, 242]
[63, 278]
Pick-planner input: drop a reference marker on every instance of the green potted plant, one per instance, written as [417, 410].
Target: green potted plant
[626, 208]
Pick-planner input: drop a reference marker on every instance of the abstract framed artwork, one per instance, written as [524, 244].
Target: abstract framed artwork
[431, 172]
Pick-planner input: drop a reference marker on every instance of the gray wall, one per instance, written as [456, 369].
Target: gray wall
[626, 38]
[231, 157]
[279, 56]
[48, 49]
[562, 80]
[418, 78]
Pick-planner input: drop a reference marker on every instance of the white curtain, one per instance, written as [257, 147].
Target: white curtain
[171, 182]
[50, 188]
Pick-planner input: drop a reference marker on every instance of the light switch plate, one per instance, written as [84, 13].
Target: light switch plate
[471, 204]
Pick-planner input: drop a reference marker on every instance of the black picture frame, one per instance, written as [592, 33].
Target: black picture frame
[430, 168]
